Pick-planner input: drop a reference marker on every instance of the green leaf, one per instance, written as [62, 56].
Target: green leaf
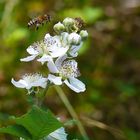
[16, 130]
[39, 123]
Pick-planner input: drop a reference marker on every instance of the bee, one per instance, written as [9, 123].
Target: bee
[40, 20]
[79, 22]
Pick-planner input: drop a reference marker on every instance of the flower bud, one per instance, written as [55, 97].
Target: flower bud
[84, 34]
[68, 22]
[59, 28]
[74, 39]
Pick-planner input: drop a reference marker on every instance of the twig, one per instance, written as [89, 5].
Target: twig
[90, 122]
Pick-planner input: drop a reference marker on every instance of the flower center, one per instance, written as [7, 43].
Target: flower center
[30, 78]
[50, 41]
[69, 69]
[41, 47]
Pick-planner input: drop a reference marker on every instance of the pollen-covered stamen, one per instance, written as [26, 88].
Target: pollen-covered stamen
[30, 78]
[49, 41]
[41, 47]
[69, 69]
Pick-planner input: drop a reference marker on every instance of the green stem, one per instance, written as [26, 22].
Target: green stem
[71, 111]
[39, 98]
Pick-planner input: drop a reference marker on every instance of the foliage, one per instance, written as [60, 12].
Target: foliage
[34, 125]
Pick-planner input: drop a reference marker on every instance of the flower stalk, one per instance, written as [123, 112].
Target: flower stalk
[71, 111]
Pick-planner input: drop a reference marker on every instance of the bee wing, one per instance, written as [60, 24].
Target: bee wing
[33, 15]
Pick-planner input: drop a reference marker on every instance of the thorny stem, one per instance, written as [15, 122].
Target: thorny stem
[71, 111]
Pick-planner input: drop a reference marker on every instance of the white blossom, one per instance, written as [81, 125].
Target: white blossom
[67, 72]
[61, 47]
[46, 50]
[30, 80]
[54, 46]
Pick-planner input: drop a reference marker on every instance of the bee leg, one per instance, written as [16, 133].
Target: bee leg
[37, 26]
[42, 24]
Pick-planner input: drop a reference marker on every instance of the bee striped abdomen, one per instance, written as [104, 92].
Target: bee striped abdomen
[40, 20]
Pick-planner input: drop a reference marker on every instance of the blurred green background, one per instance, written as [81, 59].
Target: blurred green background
[109, 63]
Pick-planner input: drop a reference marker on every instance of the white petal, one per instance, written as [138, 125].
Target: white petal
[60, 60]
[54, 79]
[74, 49]
[57, 41]
[47, 36]
[52, 67]
[75, 84]
[59, 51]
[73, 53]
[45, 58]
[28, 58]
[31, 50]
[58, 134]
[19, 84]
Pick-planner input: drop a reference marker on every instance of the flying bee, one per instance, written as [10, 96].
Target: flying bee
[79, 22]
[40, 20]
